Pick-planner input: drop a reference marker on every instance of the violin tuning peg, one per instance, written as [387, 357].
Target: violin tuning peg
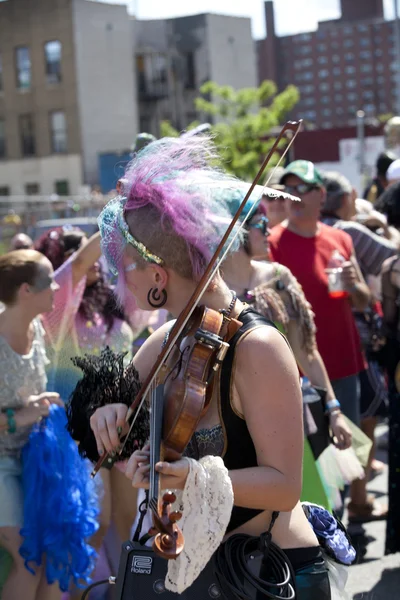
[175, 516]
[169, 498]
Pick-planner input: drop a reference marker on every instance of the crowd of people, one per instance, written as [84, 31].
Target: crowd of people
[312, 281]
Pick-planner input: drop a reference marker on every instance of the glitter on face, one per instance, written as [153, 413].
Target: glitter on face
[131, 267]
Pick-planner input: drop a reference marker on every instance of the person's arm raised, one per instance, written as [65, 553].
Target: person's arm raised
[85, 258]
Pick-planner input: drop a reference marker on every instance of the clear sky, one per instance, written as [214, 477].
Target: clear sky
[291, 16]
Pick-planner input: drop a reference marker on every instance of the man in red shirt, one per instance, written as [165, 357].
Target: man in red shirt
[305, 245]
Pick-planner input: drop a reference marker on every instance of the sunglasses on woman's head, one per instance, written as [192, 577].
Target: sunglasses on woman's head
[262, 225]
[300, 189]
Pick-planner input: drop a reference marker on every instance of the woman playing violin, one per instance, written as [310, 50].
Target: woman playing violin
[159, 239]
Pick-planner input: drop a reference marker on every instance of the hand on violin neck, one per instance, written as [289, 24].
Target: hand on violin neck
[173, 475]
[109, 426]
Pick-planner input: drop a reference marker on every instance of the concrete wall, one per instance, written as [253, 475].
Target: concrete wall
[45, 171]
[223, 51]
[105, 81]
[232, 52]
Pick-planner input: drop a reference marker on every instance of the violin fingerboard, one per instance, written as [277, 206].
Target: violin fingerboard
[156, 428]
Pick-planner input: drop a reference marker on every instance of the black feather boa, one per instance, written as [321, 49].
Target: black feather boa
[105, 381]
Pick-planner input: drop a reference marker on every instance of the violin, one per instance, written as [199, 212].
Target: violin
[180, 383]
[177, 404]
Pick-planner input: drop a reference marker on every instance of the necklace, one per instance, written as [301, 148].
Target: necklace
[226, 312]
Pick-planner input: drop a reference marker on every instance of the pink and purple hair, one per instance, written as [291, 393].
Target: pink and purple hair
[176, 177]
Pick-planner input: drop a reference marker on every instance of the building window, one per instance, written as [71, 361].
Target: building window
[350, 70]
[323, 60]
[369, 108]
[364, 42]
[58, 128]
[363, 28]
[152, 75]
[336, 58]
[348, 43]
[351, 97]
[336, 70]
[1, 75]
[321, 47]
[307, 89]
[52, 55]
[61, 187]
[189, 71]
[32, 189]
[350, 83]
[347, 30]
[310, 114]
[338, 97]
[324, 87]
[305, 50]
[309, 101]
[368, 95]
[380, 67]
[366, 68]
[337, 85]
[349, 56]
[339, 110]
[27, 134]
[4, 190]
[367, 81]
[326, 112]
[323, 73]
[325, 99]
[23, 64]
[2, 138]
[352, 110]
[365, 54]
[303, 37]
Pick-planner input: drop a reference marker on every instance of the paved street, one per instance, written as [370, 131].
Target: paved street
[375, 577]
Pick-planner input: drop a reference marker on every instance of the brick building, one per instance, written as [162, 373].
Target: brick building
[345, 65]
[67, 92]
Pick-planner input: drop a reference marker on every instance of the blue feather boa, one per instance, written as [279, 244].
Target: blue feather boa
[60, 504]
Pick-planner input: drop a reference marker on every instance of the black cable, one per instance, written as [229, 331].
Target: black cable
[92, 586]
[232, 568]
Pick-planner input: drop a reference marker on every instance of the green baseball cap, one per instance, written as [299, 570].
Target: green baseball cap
[304, 170]
[142, 140]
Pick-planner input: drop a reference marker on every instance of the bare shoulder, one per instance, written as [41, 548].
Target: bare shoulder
[263, 345]
[145, 358]
[265, 361]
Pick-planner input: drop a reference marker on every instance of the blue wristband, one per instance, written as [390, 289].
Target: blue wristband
[332, 405]
[11, 422]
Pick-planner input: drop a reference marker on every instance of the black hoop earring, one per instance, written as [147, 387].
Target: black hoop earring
[155, 298]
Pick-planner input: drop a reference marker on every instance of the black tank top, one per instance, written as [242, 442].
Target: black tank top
[240, 452]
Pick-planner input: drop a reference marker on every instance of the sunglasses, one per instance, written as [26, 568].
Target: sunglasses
[301, 189]
[262, 225]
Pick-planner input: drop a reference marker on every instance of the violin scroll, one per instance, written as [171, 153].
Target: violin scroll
[169, 541]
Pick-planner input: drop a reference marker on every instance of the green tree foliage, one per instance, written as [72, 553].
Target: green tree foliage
[242, 120]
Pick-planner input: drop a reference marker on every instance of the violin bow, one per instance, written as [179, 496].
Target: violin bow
[213, 266]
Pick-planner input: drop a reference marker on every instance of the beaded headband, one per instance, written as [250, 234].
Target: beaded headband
[141, 248]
